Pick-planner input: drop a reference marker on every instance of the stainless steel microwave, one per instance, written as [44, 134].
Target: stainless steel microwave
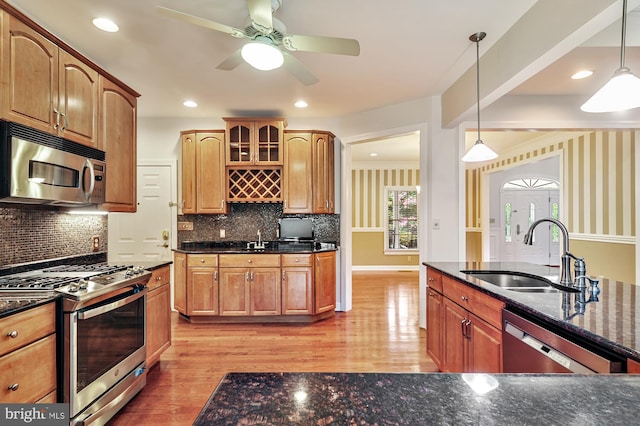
[39, 168]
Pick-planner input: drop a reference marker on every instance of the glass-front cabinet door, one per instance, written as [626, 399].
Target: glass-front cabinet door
[254, 142]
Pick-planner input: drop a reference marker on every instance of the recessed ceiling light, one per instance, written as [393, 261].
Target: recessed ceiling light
[582, 74]
[373, 154]
[190, 104]
[301, 104]
[106, 25]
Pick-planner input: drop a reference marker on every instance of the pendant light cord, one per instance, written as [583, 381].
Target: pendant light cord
[478, 81]
[624, 32]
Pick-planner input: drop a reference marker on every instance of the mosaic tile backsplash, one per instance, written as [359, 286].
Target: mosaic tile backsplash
[32, 234]
[244, 221]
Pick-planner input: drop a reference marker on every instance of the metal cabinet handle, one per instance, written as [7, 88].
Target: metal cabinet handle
[13, 334]
[467, 329]
[284, 276]
[251, 275]
[55, 126]
[158, 278]
[430, 279]
[215, 276]
[465, 299]
[14, 387]
[65, 122]
[246, 276]
[462, 326]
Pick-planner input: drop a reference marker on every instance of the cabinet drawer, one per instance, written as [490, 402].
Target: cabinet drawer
[159, 277]
[297, 259]
[31, 380]
[195, 260]
[26, 327]
[480, 304]
[248, 260]
[434, 279]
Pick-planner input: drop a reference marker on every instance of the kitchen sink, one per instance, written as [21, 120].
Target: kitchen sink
[519, 281]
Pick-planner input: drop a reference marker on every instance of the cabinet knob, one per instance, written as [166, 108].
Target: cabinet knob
[297, 260]
[158, 278]
[430, 279]
[13, 334]
[250, 260]
[201, 260]
[465, 298]
[14, 387]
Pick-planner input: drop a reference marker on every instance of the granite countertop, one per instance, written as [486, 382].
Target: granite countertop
[420, 399]
[611, 321]
[246, 247]
[10, 305]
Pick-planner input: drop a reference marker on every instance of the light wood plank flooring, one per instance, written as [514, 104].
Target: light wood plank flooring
[380, 334]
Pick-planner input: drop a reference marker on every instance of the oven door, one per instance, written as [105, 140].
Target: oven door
[104, 343]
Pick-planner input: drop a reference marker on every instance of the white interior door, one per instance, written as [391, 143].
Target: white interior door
[526, 206]
[146, 234]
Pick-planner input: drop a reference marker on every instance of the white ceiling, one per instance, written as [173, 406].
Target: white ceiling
[409, 49]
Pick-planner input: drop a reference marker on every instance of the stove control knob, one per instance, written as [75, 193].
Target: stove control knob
[83, 284]
[73, 288]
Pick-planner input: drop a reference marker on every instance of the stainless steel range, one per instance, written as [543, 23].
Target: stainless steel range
[103, 336]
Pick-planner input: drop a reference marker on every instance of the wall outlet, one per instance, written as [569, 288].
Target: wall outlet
[223, 234]
[96, 243]
[185, 226]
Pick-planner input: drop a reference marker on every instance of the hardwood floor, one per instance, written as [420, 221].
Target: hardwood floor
[380, 334]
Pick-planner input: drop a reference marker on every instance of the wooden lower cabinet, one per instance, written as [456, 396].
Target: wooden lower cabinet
[300, 287]
[463, 329]
[158, 314]
[324, 280]
[28, 336]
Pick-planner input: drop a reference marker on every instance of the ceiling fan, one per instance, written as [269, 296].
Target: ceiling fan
[267, 32]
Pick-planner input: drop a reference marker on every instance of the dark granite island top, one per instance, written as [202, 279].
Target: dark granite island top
[612, 321]
[421, 399]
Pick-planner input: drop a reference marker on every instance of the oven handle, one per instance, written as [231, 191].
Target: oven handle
[90, 313]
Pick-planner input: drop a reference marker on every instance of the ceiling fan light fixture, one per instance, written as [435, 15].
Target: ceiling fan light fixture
[479, 151]
[262, 55]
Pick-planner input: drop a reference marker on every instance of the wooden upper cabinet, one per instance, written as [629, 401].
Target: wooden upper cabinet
[323, 173]
[254, 142]
[203, 173]
[296, 179]
[45, 87]
[118, 139]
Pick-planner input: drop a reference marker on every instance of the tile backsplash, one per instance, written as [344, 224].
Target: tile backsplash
[30, 234]
[244, 221]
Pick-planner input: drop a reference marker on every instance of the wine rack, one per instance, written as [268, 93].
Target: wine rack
[256, 185]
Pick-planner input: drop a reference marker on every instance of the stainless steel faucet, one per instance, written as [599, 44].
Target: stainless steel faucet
[565, 267]
[259, 244]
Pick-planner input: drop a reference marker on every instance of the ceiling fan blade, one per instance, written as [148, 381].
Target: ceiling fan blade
[337, 45]
[261, 16]
[235, 32]
[231, 62]
[298, 70]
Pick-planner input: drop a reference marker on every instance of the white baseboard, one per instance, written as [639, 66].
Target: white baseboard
[385, 268]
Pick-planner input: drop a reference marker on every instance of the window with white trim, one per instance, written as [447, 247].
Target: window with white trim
[401, 219]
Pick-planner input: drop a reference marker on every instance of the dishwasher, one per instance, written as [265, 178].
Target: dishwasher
[533, 348]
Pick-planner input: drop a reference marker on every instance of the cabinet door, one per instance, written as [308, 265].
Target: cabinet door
[235, 296]
[118, 140]
[158, 322]
[297, 291]
[180, 282]
[210, 185]
[267, 146]
[202, 291]
[29, 76]
[435, 326]
[238, 143]
[265, 291]
[455, 342]
[323, 173]
[188, 173]
[78, 100]
[325, 282]
[485, 350]
[296, 179]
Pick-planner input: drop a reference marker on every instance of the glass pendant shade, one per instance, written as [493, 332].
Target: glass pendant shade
[620, 93]
[262, 55]
[479, 152]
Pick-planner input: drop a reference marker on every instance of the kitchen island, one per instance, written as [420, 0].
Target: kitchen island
[609, 320]
[421, 399]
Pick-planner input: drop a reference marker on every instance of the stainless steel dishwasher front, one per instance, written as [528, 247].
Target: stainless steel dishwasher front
[531, 348]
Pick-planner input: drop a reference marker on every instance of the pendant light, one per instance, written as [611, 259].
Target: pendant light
[479, 151]
[622, 91]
